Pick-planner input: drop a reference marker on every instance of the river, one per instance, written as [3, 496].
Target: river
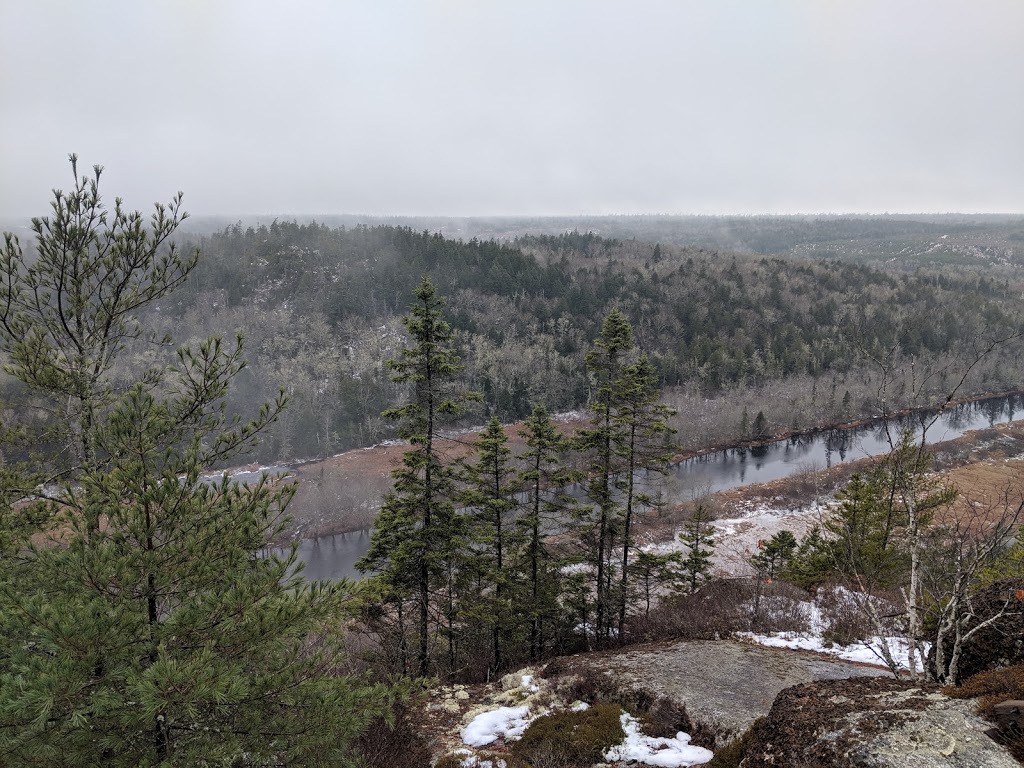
[333, 557]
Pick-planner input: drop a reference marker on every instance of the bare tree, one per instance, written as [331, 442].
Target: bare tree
[972, 538]
[916, 492]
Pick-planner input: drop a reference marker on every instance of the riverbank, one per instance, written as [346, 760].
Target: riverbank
[342, 494]
[810, 432]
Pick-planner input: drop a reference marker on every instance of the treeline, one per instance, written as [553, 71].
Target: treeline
[320, 309]
[479, 565]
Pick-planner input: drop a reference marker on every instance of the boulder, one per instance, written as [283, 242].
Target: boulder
[872, 723]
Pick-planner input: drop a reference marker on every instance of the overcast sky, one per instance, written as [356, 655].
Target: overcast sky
[517, 107]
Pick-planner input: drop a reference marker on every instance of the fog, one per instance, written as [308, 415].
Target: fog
[518, 108]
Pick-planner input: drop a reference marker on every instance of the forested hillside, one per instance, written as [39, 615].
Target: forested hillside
[905, 241]
[319, 308]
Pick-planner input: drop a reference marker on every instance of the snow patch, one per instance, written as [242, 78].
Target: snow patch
[867, 652]
[650, 750]
[504, 722]
[472, 761]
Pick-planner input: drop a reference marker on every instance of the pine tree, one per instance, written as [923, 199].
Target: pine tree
[775, 555]
[142, 626]
[68, 310]
[699, 538]
[865, 533]
[812, 561]
[416, 535]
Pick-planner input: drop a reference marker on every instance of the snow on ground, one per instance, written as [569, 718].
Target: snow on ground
[736, 537]
[504, 722]
[469, 760]
[650, 750]
[868, 651]
[510, 723]
[736, 541]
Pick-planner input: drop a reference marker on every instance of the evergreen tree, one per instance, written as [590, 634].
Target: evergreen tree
[775, 555]
[490, 500]
[699, 538]
[641, 444]
[865, 534]
[416, 535]
[605, 363]
[759, 431]
[69, 309]
[654, 572]
[812, 562]
[546, 507]
[141, 625]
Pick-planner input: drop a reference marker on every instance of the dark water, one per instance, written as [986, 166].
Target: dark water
[332, 557]
[735, 467]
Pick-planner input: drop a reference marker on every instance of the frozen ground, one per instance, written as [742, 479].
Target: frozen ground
[736, 537]
[867, 651]
[650, 750]
[509, 723]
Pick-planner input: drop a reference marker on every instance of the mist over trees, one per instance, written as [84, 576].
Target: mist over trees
[143, 617]
[321, 309]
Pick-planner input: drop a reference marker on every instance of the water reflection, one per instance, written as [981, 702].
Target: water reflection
[332, 557]
[732, 468]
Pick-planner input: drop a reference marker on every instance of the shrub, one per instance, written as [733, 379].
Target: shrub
[714, 611]
[781, 609]
[571, 739]
[665, 718]
[398, 746]
[844, 621]
[732, 753]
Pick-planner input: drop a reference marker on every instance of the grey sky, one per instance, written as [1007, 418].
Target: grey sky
[517, 107]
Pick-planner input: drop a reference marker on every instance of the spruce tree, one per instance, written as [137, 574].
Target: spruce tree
[142, 625]
[490, 498]
[605, 363]
[759, 430]
[654, 573]
[415, 537]
[641, 444]
[699, 538]
[546, 507]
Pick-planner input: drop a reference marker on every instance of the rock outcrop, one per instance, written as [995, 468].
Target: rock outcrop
[872, 723]
[724, 685]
